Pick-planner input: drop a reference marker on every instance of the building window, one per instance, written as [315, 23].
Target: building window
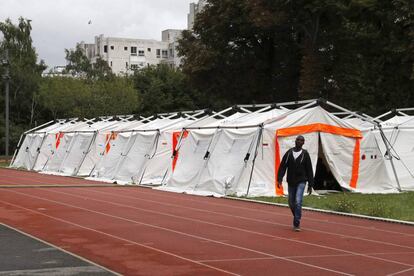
[141, 53]
[110, 64]
[105, 48]
[164, 53]
[125, 48]
[126, 65]
[149, 49]
[133, 51]
[112, 47]
[158, 53]
[134, 67]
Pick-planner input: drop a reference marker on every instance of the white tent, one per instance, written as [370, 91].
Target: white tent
[142, 154]
[38, 146]
[102, 144]
[244, 157]
[214, 158]
[398, 133]
[238, 154]
[75, 143]
[27, 152]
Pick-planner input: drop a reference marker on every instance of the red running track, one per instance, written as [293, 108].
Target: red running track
[148, 232]
[11, 177]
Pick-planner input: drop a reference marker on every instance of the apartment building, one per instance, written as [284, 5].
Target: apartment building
[195, 8]
[124, 55]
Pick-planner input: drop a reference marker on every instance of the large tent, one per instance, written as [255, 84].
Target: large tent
[234, 151]
[142, 154]
[398, 134]
[40, 144]
[243, 157]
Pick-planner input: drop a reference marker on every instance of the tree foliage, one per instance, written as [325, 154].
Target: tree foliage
[360, 53]
[78, 65]
[164, 89]
[25, 74]
[64, 97]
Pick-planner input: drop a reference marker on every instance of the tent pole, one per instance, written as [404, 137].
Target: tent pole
[67, 151]
[373, 120]
[212, 116]
[15, 151]
[210, 146]
[405, 109]
[122, 158]
[101, 153]
[38, 151]
[154, 147]
[278, 104]
[85, 153]
[35, 128]
[254, 159]
[390, 156]
[290, 112]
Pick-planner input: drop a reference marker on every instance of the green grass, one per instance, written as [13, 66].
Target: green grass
[394, 206]
[4, 164]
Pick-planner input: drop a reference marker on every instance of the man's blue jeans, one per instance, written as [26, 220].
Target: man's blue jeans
[295, 201]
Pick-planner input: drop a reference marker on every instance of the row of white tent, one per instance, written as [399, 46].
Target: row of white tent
[234, 151]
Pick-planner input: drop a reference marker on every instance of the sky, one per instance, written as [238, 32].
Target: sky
[59, 24]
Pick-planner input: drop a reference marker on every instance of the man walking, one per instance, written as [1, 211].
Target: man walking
[298, 164]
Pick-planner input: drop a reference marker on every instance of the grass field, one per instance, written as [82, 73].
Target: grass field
[394, 206]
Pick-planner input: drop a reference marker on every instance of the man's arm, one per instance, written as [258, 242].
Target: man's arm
[309, 172]
[282, 168]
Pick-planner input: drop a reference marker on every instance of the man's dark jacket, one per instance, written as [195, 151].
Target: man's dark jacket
[299, 170]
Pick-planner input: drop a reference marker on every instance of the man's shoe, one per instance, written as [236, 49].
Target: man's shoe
[297, 229]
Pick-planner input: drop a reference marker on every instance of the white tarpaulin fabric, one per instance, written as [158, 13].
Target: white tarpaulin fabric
[238, 155]
[398, 132]
[340, 143]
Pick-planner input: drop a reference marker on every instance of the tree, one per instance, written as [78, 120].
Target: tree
[74, 97]
[80, 66]
[164, 89]
[25, 74]
[241, 52]
[358, 52]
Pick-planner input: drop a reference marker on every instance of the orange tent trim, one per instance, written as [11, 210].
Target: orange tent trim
[176, 137]
[347, 132]
[108, 139]
[58, 136]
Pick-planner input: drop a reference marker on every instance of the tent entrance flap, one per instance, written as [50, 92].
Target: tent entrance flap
[324, 179]
[341, 147]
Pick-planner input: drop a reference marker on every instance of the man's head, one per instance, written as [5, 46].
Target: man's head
[300, 140]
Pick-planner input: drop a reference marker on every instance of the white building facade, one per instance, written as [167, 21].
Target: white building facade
[195, 8]
[124, 55]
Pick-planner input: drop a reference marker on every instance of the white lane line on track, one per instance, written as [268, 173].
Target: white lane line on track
[117, 237]
[249, 209]
[180, 233]
[158, 193]
[401, 272]
[256, 220]
[235, 228]
[300, 257]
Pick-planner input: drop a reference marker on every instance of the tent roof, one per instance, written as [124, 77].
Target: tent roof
[398, 120]
[313, 115]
